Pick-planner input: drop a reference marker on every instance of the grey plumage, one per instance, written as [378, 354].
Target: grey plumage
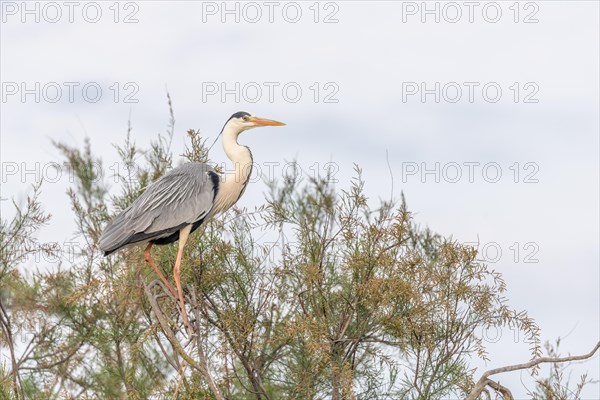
[185, 195]
[180, 201]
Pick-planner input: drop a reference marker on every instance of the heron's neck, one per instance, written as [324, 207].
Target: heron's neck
[233, 182]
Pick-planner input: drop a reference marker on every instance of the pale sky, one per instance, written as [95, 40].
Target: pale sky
[489, 117]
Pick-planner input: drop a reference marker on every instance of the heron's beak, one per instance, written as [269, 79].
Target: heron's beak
[265, 122]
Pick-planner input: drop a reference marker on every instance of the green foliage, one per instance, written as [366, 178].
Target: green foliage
[348, 300]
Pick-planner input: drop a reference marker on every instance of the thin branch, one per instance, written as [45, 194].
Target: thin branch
[483, 381]
[16, 377]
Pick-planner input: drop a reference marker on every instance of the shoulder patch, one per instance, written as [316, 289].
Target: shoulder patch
[216, 180]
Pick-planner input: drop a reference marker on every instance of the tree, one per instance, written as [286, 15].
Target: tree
[345, 300]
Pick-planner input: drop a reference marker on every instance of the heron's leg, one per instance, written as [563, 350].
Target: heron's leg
[183, 236]
[149, 260]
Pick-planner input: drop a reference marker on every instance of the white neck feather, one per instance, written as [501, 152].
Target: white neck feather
[233, 183]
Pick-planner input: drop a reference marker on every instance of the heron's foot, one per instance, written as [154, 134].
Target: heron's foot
[186, 321]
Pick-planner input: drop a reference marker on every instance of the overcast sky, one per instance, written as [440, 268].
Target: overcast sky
[487, 112]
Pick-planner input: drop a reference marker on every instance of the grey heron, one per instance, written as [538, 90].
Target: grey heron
[182, 200]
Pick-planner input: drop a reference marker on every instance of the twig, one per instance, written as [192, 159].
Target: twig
[181, 373]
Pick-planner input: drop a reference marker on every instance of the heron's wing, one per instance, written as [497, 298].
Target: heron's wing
[182, 196]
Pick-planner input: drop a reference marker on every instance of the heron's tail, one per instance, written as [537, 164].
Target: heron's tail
[115, 235]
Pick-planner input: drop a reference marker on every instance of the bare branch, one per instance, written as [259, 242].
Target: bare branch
[503, 390]
[177, 346]
[483, 381]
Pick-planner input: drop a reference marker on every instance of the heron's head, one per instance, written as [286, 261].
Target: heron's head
[242, 121]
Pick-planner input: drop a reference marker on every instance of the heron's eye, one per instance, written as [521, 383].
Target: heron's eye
[245, 118]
